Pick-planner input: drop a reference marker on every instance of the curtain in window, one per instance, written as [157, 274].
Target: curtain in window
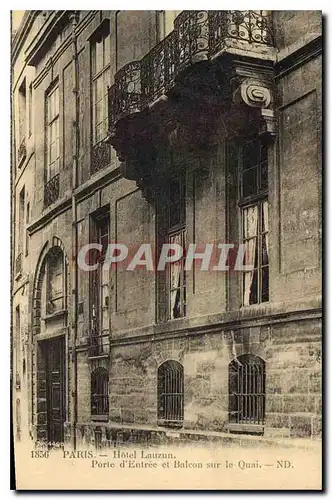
[250, 221]
[55, 282]
[175, 280]
[100, 105]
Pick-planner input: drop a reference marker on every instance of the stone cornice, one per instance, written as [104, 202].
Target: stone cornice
[263, 315]
[22, 33]
[32, 52]
[297, 54]
[83, 191]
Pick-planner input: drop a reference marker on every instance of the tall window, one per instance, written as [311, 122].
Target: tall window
[55, 281]
[176, 276]
[99, 308]
[30, 109]
[21, 220]
[100, 73]
[17, 346]
[255, 222]
[164, 22]
[27, 238]
[22, 102]
[99, 393]
[246, 380]
[170, 394]
[53, 134]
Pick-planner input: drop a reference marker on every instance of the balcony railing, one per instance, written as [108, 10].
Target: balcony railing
[99, 345]
[100, 157]
[197, 36]
[21, 152]
[51, 190]
[18, 264]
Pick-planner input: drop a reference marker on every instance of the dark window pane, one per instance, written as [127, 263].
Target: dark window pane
[249, 182]
[265, 255]
[264, 176]
[174, 204]
[265, 284]
[250, 155]
[263, 153]
[253, 297]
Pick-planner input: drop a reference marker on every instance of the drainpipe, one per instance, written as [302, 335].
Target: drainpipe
[74, 16]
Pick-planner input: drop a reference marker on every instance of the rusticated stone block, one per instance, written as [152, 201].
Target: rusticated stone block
[274, 403]
[315, 382]
[299, 403]
[316, 426]
[127, 416]
[300, 426]
[277, 420]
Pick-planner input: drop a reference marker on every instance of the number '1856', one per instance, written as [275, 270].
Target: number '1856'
[39, 454]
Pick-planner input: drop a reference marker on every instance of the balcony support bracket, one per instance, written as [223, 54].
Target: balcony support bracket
[257, 93]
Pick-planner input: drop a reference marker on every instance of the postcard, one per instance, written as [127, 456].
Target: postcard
[166, 243]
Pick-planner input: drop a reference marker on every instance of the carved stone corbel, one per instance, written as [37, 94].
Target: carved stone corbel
[258, 94]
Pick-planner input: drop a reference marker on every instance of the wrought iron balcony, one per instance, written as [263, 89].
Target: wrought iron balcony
[21, 152]
[99, 345]
[18, 264]
[51, 190]
[100, 157]
[197, 36]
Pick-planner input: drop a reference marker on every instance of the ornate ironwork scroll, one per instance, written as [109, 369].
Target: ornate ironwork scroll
[51, 190]
[18, 264]
[100, 156]
[192, 33]
[253, 26]
[22, 151]
[197, 36]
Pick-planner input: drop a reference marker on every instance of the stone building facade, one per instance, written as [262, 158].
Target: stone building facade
[188, 127]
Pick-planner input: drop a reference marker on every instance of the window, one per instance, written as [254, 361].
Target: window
[164, 22]
[17, 346]
[246, 379]
[55, 281]
[255, 222]
[22, 111]
[176, 278]
[99, 307]
[170, 394]
[30, 110]
[21, 220]
[100, 73]
[99, 393]
[52, 134]
[27, 238]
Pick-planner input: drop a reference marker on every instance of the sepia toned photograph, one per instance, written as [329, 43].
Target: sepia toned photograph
[166, 249]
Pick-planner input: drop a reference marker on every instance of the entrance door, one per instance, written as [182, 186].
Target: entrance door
[56, 389]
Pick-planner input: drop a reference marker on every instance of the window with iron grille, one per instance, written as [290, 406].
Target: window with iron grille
[246, 379]
[253, 203]
[52, 133]
[100, 74]
[99, 393]
[99, 298]
[176, 275]
[170, 394]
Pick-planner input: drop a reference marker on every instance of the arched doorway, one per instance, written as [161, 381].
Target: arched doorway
[50, 332]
